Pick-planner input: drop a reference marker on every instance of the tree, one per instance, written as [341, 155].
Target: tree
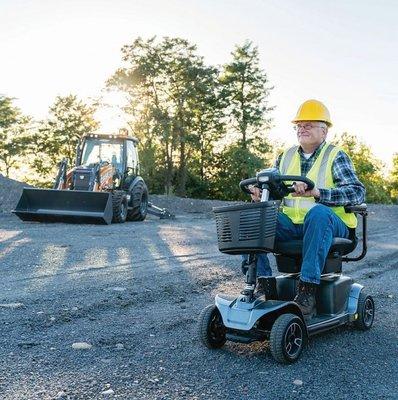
[394, 178]
[229, 171]
[57, 136]
[368, 168]
[207, 127]
[246, 91]
[184, 111]
[169, 87]
[13, 134]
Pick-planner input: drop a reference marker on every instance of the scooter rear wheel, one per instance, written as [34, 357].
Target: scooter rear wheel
[212, 331]
[287, 338]
[365, 311]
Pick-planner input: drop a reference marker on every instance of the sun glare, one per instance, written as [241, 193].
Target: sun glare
[110, 113]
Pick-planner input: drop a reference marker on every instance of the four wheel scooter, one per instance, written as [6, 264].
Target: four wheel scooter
[250, 229]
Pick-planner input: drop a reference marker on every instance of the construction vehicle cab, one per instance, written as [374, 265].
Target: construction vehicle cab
[119, 152]
[104, 186]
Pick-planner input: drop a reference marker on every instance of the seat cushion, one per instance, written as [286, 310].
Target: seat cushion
[294, 247]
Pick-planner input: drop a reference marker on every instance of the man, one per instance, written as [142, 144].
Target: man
[316, 216]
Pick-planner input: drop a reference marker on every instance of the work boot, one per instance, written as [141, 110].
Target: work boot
[305, 298]
[266, 287]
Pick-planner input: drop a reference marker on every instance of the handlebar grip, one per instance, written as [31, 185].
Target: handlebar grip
[246, 182]
[309, 182]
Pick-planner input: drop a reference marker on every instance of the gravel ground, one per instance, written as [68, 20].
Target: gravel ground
[133, 293]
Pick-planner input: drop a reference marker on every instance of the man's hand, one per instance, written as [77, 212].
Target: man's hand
[256, 193]
[301, 191]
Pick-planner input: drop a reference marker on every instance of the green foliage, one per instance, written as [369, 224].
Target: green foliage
[173, 106]
[234, 164]
[394, 179]
[245, 90]
[57, 136]
[368, 168]
[14, 136]
[183, 111]
[197, 187]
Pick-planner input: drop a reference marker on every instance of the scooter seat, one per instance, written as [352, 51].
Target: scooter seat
[342, 246]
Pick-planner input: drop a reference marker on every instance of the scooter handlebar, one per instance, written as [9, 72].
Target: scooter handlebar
[309, 182]
[246, 182]
[277, 180]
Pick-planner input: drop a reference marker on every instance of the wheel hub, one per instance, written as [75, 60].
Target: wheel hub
[368, 314]
[217, 329]
[293, 339]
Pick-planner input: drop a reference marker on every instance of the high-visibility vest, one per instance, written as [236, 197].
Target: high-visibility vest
[321, 174]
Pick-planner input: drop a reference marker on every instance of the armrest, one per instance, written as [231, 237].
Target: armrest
[361, 209]
[357, 209]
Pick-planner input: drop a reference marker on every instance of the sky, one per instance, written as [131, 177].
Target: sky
[344, 53]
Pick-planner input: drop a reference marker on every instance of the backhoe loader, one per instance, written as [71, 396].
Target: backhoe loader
[103, 187]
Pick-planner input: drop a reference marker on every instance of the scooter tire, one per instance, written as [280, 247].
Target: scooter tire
[212, 331]
[287, 338]
[365, 311]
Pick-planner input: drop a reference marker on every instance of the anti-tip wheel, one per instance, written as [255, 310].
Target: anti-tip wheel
[287, 338]
[211, 328]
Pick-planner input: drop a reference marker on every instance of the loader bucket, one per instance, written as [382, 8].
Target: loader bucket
[78, 206]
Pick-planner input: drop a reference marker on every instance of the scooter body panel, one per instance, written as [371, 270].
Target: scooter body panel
[337, 298]
[241, 315]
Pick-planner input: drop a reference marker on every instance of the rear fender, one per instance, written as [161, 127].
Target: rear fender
[237, 314]
[134, 182]
[353, 299]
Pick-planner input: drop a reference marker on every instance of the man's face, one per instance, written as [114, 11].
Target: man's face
[310, 133]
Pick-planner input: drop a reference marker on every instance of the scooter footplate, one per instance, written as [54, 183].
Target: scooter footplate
[240, 315]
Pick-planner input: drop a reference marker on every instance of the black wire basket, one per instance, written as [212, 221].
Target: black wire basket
[247, 228]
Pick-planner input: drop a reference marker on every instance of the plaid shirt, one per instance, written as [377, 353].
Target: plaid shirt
[348, 191]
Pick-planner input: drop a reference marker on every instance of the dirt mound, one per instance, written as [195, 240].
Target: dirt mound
[10, 192]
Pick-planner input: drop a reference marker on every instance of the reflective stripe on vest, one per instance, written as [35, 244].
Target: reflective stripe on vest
[307, 204]
[321, 178]
[285, 162]
[321, 174]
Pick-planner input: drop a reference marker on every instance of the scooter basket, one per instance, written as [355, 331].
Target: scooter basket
[247, 228]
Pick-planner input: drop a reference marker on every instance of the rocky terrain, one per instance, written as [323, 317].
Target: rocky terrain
[103, 312]
[10, 192]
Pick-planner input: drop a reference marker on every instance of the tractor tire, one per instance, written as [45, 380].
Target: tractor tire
[138, 202]
[119, 205]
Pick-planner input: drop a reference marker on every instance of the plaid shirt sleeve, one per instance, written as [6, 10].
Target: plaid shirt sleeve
[349, 190]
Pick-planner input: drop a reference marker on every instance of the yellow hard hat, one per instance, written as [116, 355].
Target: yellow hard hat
[313, 110]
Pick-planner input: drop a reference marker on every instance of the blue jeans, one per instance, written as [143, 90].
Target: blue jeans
[320, 226]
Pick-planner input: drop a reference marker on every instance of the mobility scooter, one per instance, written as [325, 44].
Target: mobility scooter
[250, 229]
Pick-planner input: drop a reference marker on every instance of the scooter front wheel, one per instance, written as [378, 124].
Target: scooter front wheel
[212, 331]
[287, 338]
